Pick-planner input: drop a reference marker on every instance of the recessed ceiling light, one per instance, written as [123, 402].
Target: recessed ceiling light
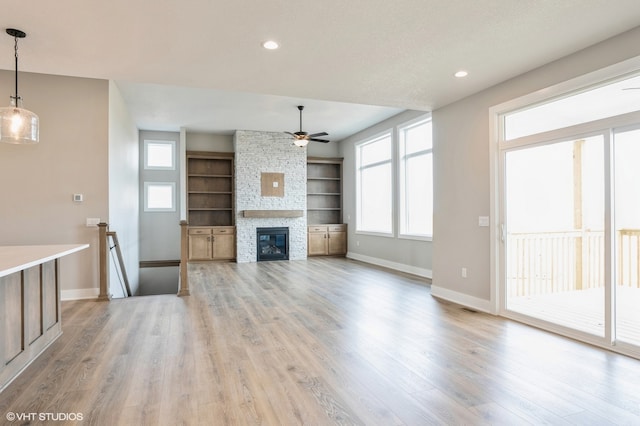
[461, 73]
[270, 45]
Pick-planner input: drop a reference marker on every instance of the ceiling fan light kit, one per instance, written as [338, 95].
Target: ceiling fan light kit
[18, 125]
[301, 138]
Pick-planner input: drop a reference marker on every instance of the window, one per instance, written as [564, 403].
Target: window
[159, 196]
[159, 155]
[374, 186]
[607, 100]
[416, 179]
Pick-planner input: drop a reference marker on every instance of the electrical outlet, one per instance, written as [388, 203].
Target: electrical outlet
[463, 272]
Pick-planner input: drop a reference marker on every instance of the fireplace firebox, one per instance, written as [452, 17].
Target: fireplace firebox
[273, 243]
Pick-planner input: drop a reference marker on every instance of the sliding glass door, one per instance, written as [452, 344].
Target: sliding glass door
[569, 203]
[554, 233]
[627, 235]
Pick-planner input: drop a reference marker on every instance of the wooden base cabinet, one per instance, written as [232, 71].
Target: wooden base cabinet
[212, 243]
[327, 240]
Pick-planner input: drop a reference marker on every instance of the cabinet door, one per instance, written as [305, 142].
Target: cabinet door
[337, 242]
[224, 246]
[317, 243]
[200, 247]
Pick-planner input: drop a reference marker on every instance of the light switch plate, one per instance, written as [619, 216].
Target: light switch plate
[483, 220]
[92, 222]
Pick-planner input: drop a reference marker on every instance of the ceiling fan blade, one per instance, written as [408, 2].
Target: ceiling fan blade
[319, 140]
[289, 133]
[319, 134]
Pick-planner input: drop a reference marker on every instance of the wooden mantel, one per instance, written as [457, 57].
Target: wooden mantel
[272, 213]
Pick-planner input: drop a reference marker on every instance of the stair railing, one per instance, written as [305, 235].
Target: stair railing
[105, 249]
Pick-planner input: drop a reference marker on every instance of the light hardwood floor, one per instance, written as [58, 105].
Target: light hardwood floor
[318, 342]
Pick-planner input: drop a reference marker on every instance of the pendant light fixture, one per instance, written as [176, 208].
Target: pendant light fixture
[18, 125]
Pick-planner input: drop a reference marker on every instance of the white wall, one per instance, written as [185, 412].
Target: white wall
[461, 169]
[37, 182]
[159, 231]
[123, 188]
[412, 256]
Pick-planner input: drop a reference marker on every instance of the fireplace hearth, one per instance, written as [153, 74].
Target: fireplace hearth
[272, 243]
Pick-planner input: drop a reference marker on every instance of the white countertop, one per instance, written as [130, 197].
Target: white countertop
[17, 258]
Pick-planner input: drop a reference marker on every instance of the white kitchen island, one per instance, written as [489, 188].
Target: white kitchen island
[29, 303]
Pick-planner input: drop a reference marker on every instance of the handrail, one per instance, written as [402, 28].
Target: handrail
[116, 245]
[104, 235]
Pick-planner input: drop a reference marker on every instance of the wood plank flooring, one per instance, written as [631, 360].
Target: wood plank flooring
[319, 342]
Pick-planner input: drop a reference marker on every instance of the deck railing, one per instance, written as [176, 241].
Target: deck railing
[552, 262]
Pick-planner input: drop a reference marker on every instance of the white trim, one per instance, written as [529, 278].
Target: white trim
[421, 272]
[496, 125]
[80, 294]
[599, 341]
[415, 237]
[603, 75]
[375, 234]
[146, 165]
[386, 134]
[462, 299]
[402, 217]
[172, 185]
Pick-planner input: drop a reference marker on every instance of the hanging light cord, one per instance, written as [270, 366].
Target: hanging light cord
[16, 50]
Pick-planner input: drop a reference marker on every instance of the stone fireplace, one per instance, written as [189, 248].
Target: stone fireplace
[259, 154]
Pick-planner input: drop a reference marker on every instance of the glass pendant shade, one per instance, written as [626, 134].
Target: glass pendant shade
[18, 125]
[301, 142]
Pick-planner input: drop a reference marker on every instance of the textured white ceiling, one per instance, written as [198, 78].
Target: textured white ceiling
[398, 54]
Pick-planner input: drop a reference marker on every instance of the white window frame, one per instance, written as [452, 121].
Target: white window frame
[402, 190]
[358, 146]
[498, 142]
[147, 166]
[171, 185]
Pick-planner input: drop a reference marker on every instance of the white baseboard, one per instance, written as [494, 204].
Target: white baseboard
[421, 272]
[462, 299]
[79, 294]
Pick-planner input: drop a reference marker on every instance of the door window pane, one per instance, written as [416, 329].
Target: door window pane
[627, 236]
[554, 204]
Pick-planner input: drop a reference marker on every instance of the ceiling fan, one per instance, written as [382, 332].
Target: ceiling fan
[301, 138]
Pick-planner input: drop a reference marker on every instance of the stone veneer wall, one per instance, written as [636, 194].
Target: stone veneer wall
[265, 152]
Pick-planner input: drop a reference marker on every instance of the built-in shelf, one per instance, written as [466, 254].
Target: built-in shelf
[324, 191]
[210, 195]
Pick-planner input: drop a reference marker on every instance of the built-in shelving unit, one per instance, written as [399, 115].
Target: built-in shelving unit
[210, 194]
[324, 190]
[326, 235]
[210, 206]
